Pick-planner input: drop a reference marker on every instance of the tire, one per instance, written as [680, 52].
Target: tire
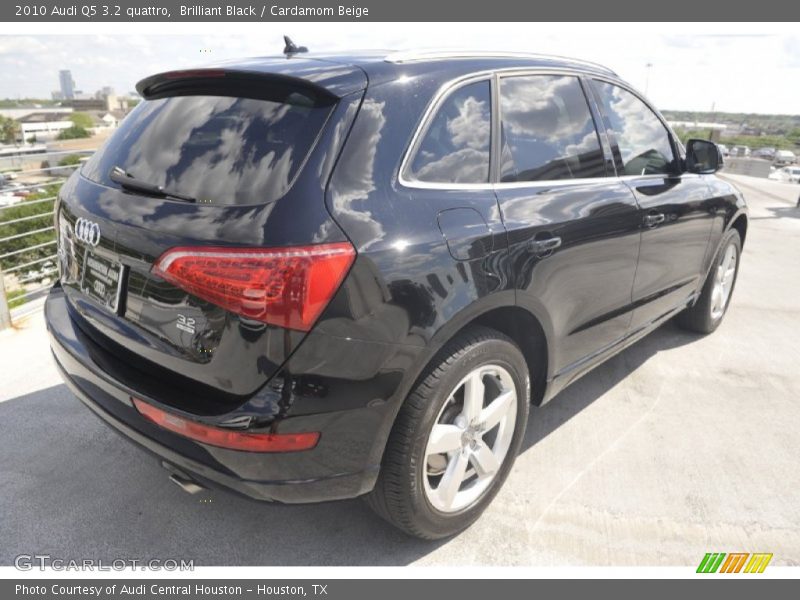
[410, 492]
[707, 313]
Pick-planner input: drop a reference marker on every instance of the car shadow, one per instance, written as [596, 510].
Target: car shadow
[780, 212]
[544, 420]
[72, 490]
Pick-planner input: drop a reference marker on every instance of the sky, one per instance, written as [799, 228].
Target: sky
[730, 67]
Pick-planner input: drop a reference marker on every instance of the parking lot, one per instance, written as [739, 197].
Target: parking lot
[679, 446]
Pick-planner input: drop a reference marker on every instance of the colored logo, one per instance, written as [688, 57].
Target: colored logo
[735, 562]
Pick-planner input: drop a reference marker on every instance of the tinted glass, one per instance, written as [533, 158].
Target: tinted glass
[221, 150]
[456, 145]
[547, 130]
[643, 141]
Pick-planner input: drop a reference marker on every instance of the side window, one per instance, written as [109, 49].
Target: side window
[456, 145]
[643, 140]
[547, 130]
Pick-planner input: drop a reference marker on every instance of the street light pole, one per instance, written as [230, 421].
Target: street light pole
[648, 66]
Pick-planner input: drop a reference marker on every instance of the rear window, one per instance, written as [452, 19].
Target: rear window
[217, 149]
[455, 148]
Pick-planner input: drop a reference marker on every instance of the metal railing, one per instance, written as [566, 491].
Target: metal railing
[27, 270]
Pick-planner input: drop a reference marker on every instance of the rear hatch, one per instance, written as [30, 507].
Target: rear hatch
[217, 161]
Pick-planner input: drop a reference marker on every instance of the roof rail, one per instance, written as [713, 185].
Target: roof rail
[429, 55]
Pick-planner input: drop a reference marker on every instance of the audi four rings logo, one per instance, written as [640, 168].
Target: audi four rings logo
[87, 231]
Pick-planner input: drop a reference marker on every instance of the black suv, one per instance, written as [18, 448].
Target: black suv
[307, 278]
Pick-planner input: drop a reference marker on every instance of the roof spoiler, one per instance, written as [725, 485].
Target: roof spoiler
[231, 82]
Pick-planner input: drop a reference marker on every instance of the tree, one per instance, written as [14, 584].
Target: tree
[73, 133]
[9, 129]
[81, 119]
[44, 211]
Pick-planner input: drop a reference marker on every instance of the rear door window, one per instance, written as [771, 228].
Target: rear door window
[547, 130]
[455, 147]
[217, 149]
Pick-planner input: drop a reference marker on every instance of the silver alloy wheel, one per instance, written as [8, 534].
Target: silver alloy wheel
[470, 438]
[723, 281]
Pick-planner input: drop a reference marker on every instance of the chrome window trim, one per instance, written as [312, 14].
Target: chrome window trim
[544, 183]
[454, 85]
[441, 95]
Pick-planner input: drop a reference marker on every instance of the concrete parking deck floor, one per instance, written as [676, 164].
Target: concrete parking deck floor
[680, 445]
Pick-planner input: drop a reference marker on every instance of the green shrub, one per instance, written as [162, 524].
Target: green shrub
[16, 298]
[73, 133]
[69, 160]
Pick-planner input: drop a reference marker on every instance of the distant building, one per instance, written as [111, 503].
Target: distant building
[67, 84]
[105, 119]
[104, 92]
[106, 103]
[19, 112]
[43, 126]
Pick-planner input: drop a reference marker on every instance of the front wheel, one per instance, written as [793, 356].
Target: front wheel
[707, 313]
[455, 438]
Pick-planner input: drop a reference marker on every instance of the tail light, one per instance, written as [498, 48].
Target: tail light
[289, 287]
[227, 438]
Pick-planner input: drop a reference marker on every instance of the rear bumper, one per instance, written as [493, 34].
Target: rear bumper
[294, 477]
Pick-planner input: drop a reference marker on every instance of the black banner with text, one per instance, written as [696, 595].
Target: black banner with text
[380, 10]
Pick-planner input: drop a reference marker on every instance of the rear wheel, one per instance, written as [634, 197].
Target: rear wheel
[707, 313]
[456, 437]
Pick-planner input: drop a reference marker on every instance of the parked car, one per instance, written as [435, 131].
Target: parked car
[786, 174]
[15, 188]
[45, 271]
[764, 153]
[341, 278]
[723, 150]
[784, 157]
[740, 151]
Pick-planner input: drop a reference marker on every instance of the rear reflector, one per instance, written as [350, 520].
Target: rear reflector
[227, 438]
[288, 287]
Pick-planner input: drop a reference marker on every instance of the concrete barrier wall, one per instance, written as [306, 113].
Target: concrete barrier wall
[753, 167]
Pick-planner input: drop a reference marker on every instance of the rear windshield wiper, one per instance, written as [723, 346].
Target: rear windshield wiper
[129, 182]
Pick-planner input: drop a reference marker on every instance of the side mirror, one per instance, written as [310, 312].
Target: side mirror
[703, 157]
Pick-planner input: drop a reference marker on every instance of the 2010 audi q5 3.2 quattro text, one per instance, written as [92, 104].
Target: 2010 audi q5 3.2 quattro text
[308, 278]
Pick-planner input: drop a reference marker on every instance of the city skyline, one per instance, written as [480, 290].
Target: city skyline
[68, 90]
[688, 71]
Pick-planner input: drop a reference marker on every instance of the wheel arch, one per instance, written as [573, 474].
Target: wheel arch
[737, 221]
[526, 329]
[528, 334]
[740, 224]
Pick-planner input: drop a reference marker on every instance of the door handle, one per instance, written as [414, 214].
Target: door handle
[544, 247]
[654, 219]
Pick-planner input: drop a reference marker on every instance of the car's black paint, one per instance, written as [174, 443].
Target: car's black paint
[430, 261]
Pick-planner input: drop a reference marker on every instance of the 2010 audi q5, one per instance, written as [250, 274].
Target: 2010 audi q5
[307, 278]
